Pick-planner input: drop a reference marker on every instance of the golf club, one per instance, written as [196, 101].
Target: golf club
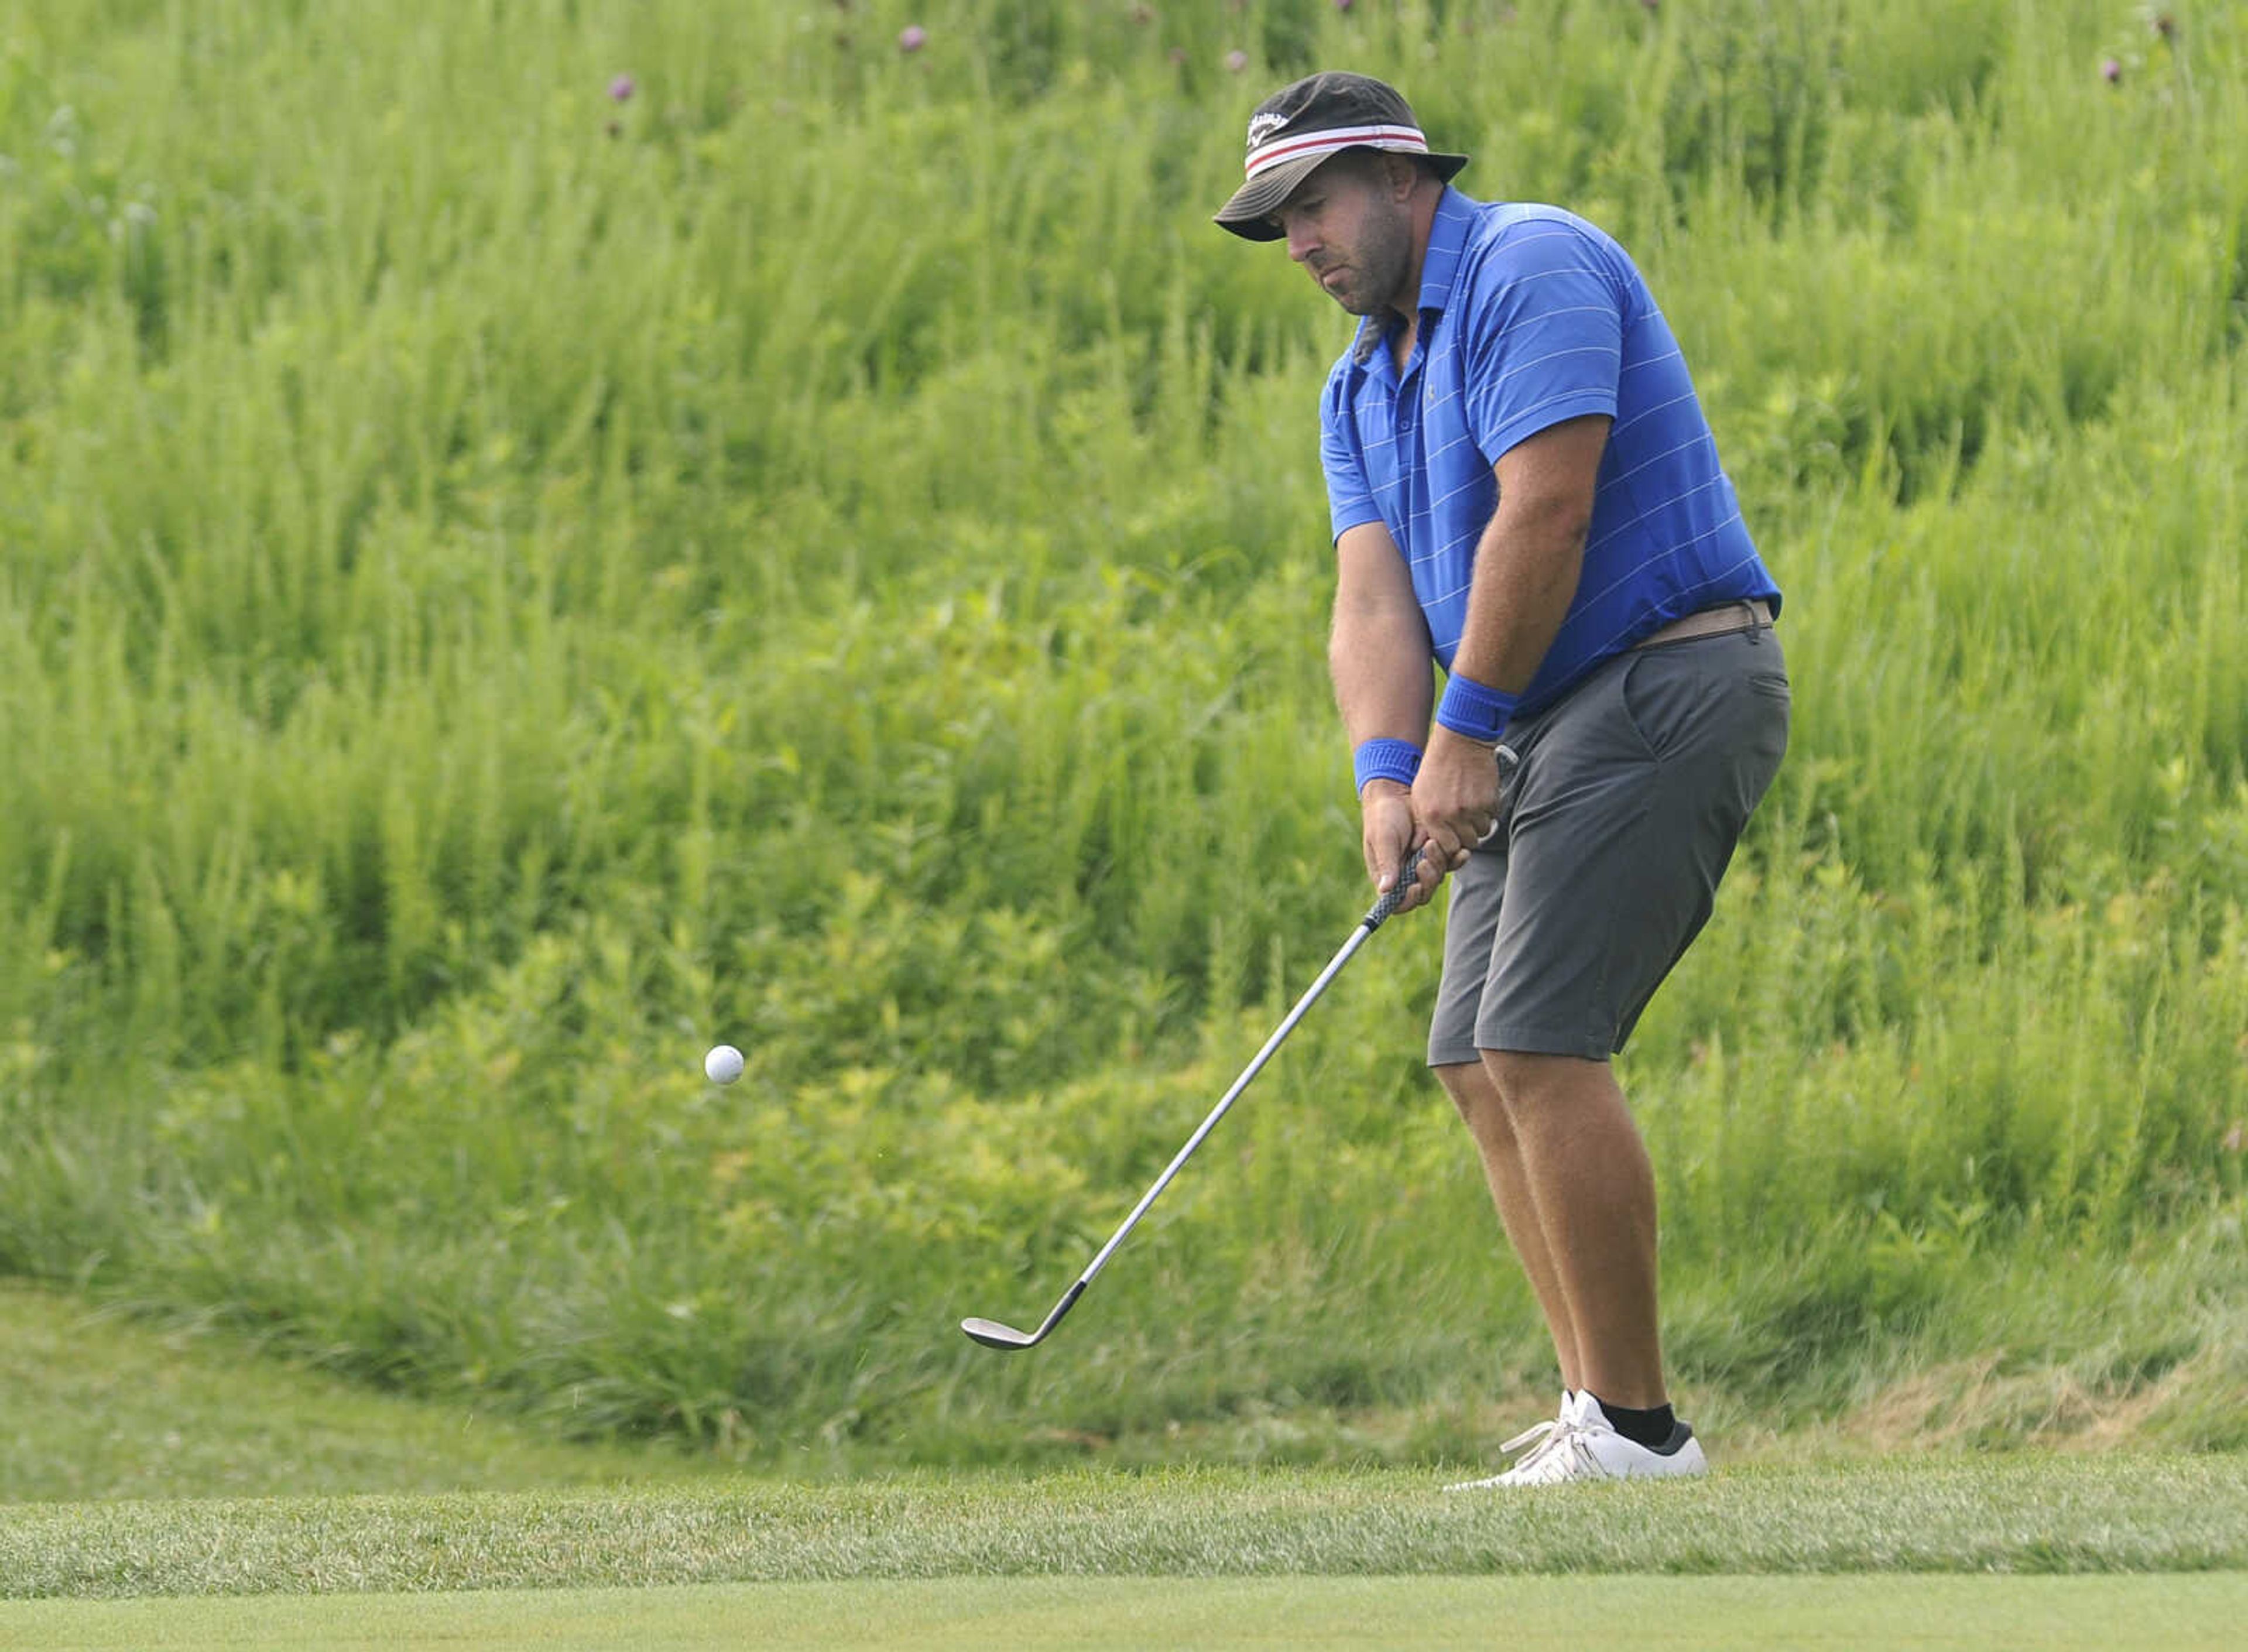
[990, 1332]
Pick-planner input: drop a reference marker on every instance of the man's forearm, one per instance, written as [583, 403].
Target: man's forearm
[1379, 659]
[1525, 573]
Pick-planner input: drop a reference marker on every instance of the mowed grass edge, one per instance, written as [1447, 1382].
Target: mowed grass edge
[2106, 1613]
[95, 1407]
[2017, 1514]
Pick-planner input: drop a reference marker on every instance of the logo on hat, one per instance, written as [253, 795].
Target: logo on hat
[1264, 126]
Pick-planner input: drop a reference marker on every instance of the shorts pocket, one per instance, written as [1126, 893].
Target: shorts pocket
[1695, 698]
[1661, 694]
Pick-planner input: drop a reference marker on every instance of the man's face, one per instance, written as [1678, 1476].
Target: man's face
[1350, 225]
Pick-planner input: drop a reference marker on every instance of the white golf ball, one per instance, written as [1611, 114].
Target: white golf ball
[723, 1064]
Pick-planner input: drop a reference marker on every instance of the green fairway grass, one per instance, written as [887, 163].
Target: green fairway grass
[2099, 1614]
[2013, 1515]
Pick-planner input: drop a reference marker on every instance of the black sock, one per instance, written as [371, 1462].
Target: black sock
[1650, 1429]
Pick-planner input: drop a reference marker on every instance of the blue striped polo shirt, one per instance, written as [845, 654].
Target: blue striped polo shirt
[1529, 316]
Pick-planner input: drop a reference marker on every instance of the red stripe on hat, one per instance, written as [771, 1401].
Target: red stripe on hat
[1404, 138]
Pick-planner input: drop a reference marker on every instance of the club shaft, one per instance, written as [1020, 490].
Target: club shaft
[1255, 1065]
[993, 1334]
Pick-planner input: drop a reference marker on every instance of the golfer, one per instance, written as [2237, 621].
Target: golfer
[1525, 490]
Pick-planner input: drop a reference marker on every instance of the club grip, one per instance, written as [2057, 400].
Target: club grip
[1509, 761]
[1395, 895]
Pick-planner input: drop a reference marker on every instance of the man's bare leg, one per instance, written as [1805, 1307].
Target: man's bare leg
[1475, 1095]
[1588, 1180]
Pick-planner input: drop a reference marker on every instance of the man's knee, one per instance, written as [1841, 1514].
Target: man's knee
[1473, 1093]
[1522, 1079]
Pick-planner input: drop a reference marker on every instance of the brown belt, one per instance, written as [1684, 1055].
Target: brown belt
[1721, 620]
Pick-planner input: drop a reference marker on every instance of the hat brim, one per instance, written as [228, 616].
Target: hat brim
[1249, 214]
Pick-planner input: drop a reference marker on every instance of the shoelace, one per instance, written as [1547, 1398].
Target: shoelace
[1535, 1431]
[1542, 1433]
[1568, 1456]
[1547, 1436]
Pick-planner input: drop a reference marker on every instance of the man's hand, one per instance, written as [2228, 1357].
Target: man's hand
[1387, 835]
[1455, 799]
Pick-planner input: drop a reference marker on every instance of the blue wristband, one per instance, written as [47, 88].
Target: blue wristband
[1386, 759]
[1470, 708]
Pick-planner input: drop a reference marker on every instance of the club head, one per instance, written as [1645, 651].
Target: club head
[992, 1335]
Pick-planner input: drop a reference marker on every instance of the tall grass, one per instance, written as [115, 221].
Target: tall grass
[506, 586]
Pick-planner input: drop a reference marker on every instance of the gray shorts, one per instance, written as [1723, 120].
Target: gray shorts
[1614, 833]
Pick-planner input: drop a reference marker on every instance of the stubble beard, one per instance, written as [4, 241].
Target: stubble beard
[1376, 268]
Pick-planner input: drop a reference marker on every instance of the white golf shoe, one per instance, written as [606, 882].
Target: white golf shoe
[1580, 1445]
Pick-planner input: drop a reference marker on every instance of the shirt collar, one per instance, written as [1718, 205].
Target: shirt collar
[1440, 263]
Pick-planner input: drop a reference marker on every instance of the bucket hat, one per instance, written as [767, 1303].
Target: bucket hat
[1309, 121]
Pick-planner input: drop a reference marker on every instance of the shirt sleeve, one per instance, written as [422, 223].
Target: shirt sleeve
[1543, 335]
[1350, 495]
